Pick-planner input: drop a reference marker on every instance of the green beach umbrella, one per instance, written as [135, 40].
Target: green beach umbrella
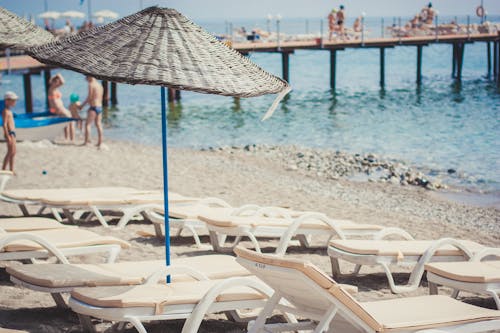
[160, 46]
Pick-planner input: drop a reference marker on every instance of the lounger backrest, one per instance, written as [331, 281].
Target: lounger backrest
[283, 278]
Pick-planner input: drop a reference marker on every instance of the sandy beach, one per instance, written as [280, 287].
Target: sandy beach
[238, 176]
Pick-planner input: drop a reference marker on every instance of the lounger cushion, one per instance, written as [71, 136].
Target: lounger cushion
[123, 273]
[6, 173]
[228, 221]
[18, 224]
[61, 238]
[425, 312]
[399, 248]
[159, 295]
[184, 212]
[467, 271]
[93, 196]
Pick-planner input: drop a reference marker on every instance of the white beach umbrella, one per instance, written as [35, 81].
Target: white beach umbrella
[73, 14]
[105, 13]
[50, 15]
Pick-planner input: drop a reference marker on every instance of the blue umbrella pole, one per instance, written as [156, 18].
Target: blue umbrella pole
[165, 176]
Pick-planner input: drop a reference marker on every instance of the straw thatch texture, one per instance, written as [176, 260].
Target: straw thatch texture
[160, 46]
[16, 32]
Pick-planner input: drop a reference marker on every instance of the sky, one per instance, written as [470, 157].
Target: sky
[238, 9]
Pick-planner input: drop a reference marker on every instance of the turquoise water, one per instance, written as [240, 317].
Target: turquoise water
[439, 126]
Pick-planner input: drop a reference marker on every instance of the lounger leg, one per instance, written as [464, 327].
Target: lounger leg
[56, 215]
[455, 293]
[69, 216]
[99, 216]
[494, 294]
[254, 241]
[305, 240]
[40, 210]
[324, 323]
[78, 214]
[60, 302]
[24, 210]
[158, 231]
[89, 217]
[258, 325]
[433, 288]
[137, 324]
[357, 268]
[336, 273]
[86, 323]
[195, 235]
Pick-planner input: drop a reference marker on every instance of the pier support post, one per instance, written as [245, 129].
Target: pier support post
[114, 94]
[460, 60]
[419, 64]
[498, 64]
[105, 93]
[488, 59]
[382, 67]
[177, 95]
[454, 61]
[495, 59]
[333, 68]
[171, 94]
[285, 63]
[46, 79]
[28, 95]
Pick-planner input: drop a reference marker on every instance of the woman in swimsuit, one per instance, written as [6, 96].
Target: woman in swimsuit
[56, 105]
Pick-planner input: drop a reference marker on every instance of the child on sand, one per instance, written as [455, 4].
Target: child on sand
[9, 130]
[74, 108]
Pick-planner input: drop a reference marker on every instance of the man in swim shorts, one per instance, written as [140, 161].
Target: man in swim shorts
[94, 113]
[340, 21]
[9, 130]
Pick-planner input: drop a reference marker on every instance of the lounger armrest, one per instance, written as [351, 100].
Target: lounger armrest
[5, 240]
[391, 231]
[175, 269]
[214, 201]
[491, 251]
[292, 229]
[418, 271]
[245, 209]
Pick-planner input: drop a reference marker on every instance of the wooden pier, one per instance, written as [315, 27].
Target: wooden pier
[457, 41]
[28, 66]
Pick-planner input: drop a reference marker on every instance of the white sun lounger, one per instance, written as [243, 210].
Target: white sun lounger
[406, 253]
[22, 224]
[127, 201]
[179, 300]
[5, 176]
[284, 228]
[184, 216]
[58, 243]
[313, 295]
[476, 276]
[63, 278]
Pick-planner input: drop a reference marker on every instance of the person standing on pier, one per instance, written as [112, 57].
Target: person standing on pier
[332, 21]
[341, 21]
[94, 113]
[9, 130]
[428, 14]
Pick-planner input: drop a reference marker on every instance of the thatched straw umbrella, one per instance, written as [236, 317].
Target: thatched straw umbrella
[16, 32]
[160, 46]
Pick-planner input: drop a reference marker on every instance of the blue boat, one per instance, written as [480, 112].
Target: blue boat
[38, 126]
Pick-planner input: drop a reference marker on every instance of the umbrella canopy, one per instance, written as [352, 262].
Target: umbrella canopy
[160, 46]
[17, 32]
[105, 13]
[50, 15]
[73, 14]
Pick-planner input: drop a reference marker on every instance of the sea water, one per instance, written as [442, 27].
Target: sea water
[438, 126]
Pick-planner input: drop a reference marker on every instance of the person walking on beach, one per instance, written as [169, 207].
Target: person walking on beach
[56, 105]
[94, 113]
[9, 130]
